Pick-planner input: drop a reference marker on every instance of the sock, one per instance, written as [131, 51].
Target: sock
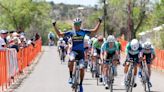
[81, 82]
[125, 76]
[134, 78]
[70, 74]
[105, 79]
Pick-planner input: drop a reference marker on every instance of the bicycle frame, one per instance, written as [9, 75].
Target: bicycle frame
[111, 70]
[76, 76]
[145, 76]
[130, 76]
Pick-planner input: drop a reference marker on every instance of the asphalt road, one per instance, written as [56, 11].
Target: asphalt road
[52, 76]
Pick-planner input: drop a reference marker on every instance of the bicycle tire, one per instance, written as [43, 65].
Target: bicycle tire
[111, 79]
[146, 79]
[148, 85]
[98, 73]
[76, 80]
[128, 80]
[132, 82]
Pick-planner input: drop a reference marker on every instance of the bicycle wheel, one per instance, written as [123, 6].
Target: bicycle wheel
[97, 73]
[148, 84]
[128, 80]
[143, 79]
[111, 79]
[76, 81]
[132, 82]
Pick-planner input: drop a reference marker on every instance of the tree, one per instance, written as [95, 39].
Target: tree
[126, 14]
[26, 15]
[19, 14]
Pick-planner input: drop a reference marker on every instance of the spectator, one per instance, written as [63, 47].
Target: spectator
[15, 41]
[15, 44]
[9, 37]
[23, 41]
[4, 35]
[2, 41]
[37, 36]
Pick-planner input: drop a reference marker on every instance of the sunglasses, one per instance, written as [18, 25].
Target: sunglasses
[77, 24]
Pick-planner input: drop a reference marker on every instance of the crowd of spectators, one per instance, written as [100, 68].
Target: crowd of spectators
[16, 40]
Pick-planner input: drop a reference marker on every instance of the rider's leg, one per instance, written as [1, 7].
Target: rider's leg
[105, 73]
[135, 74]
[126, 67]
[71, 66]
[82, 72]
[149, 69]
[86, 58]
[115, 63]
[94, 62]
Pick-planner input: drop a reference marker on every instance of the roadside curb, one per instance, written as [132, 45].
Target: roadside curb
[26, 72]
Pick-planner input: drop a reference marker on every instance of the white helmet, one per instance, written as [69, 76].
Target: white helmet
[111, 38]
[60, 39]
[77, 20]
[147, 45]
[134, 44]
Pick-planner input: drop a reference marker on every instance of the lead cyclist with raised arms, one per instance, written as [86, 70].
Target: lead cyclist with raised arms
[77, 45]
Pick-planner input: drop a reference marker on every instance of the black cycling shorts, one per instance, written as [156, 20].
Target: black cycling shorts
[148, 58]
[134, 57]
[109, 56]
[80, 55]
[98, 51]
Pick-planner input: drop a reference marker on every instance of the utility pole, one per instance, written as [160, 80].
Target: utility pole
[105, 13]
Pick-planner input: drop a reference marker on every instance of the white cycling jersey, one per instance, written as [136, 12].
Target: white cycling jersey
[61, 43]
[87, 41]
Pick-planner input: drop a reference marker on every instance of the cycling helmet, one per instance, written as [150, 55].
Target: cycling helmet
[147, 45]
[100, 38]
[77, 21]
[60, 39]
[111, 38]
[134, 44]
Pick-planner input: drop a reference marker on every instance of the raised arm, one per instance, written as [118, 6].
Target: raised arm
[93, 31]
[60, 34]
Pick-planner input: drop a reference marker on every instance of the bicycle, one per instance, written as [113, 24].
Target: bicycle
[145, 76]
[76, 77]
[51, 42]
[62, 54]
[130, 76]
[111, 71]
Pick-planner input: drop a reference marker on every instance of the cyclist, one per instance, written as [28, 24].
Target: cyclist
[109, 50]
[93, 38]
[77, 45]
[96, 48]
[87, 47]
[149, 54]
[133, 51]
[62, 46]
[51, 38]
[119, 47]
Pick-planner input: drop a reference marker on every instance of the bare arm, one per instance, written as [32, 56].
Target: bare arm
[60, 34]
[93, 31]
